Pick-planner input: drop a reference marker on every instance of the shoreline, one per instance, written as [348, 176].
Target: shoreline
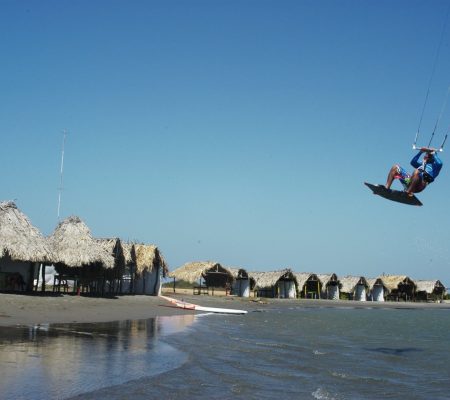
[18, 309]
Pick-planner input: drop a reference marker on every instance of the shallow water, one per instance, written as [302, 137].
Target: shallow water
[313, 353]
[62, 360]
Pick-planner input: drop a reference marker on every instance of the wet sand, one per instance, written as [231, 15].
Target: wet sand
[16, 309]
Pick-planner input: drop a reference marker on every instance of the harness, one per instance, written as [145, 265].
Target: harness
[427, 177]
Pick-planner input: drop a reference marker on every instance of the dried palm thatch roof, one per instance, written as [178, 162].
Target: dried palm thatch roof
[270, 279]
[303, 277]
[18, 238]
[129, 253]
[349, 283]
[148, 257]
[114, 247]
[194, 271]
[325, 279]
[391, 282]
[73, 245]
[371, 282]
[428, 286]
[237, 273]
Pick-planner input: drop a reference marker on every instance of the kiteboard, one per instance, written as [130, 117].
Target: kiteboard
[394, 195]
[195, 307]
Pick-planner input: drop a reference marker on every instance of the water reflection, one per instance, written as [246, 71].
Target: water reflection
[58, 361]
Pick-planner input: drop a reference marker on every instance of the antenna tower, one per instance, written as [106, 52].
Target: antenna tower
[61, 172]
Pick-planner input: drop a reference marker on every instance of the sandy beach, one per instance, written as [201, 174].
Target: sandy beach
[16, 309]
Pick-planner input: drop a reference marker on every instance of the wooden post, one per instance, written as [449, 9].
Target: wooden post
[43, 278]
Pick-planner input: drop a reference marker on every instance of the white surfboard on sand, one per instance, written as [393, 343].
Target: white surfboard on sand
[195, 307]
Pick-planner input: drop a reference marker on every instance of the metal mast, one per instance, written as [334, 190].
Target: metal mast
[61, 172]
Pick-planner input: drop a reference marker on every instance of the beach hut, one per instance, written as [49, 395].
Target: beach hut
[393, 287]
[355, 287]
[330, 286]
[78, 256]
[308, 285]
[207, 274]
[151, 267]
[400, 287]
[281, 284]
[114, 276]
[22, 249]
[242, 284]
[432, 290]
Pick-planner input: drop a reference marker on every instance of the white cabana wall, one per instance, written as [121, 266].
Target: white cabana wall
[286, 289]
[360, 293]
[126, 284]
[241, 287]
[333, 292]
[377, 293]
[145, 283]
[330, 286]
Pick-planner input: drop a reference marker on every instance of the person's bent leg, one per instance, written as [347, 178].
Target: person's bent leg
[416, 184]
[393, 174]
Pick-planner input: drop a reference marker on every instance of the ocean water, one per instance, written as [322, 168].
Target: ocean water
[298, 353]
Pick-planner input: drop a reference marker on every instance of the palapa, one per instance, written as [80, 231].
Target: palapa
[192, 272]
[303, 277]
[270, 278]
[148, 257]
[19, 239]
[429, 287]
[349, 283]
[73, 245]
[326, 279]
[392, 282]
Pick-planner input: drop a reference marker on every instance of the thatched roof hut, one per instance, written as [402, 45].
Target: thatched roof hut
[268, 279]
[148, 258]
[19, 239]
[398, 286]
[192, 272]
[274, 283]
[355, 287]
[242, 283]
[394, 282]
[308, 284]
[349, 283]
[330, 286]
[212, 272]
[429, 286]
[430, 289]
[73, 246]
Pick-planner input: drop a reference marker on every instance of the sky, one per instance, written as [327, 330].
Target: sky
[237, 131]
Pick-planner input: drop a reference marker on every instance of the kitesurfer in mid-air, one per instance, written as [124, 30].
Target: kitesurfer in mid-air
[425, 172]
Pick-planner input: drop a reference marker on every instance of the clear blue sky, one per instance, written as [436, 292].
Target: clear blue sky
[230, 130]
